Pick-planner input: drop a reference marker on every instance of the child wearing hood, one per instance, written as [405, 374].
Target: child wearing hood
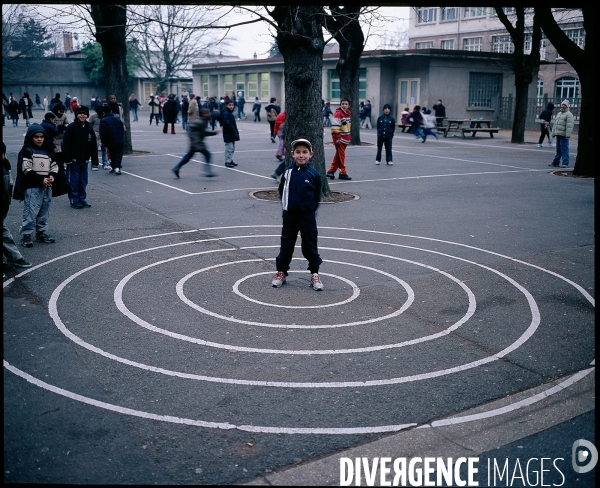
[36, 171]
[386, 125]
[546, 118]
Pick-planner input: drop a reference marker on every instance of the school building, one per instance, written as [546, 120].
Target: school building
[470, 84]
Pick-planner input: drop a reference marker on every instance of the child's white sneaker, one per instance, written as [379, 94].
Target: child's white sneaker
[315, 282]
[278, 279]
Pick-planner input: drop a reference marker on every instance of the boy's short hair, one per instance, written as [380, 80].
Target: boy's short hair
[344, 100]
[302, 142]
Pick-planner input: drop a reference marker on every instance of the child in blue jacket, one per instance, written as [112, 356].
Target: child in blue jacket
[300, 190]
[386, 125]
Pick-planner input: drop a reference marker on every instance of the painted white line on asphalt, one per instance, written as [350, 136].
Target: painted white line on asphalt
[292, 430]
[180, 293]
[225, 167]
[212, 424]
[419, 177]
[513, 406]
[355, 290]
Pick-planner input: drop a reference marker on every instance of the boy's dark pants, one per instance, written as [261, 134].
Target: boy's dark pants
[307, 226]
[116, 156]
[388, 149]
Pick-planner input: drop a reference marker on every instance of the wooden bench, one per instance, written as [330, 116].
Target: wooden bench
[475, 130]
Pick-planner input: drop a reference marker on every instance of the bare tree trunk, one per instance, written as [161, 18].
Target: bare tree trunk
[300, 40]
[520, 115]
[110, 22]
[582, 61]
[344, 26]
[523, 66]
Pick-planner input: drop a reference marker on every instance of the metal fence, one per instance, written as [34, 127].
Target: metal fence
[506, 111]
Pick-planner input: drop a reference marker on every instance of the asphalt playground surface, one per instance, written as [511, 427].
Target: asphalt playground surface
[146, 346]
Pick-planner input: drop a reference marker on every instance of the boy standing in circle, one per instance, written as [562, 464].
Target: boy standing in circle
[300, 190]
[340, 133]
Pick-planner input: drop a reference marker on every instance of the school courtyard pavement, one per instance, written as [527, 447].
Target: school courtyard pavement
[146, 345]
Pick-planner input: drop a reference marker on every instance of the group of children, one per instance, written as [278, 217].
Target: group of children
[54, 161]
[57, 150]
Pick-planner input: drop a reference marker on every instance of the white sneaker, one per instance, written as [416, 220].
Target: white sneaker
[377, 162]
[390, 164]
[278, 279]
[315, 282]
[540, 145]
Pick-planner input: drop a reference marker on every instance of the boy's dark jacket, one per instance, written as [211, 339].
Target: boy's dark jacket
[386, 125]
[300, 189]
[111, 130]
[230, 130]
[79, 144]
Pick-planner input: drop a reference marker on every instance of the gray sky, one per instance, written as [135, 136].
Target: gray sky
[255, 38]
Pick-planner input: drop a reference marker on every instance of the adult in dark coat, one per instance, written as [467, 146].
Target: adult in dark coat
[170, 114]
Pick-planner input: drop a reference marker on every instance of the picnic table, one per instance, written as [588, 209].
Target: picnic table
[470, 125]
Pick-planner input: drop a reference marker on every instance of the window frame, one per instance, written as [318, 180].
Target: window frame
[467, 44]
[445, 10]
[429, 17]
[474, 12]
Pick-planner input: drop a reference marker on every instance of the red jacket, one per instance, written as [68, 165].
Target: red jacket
[278, 121]
[340, 127]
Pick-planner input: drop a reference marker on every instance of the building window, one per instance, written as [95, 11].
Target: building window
[204, 86]
[503, 44]
[227, 84]
[509, 10]
[447, 44]
[149, 89]
[424, 45]
[567, 87]
[577, 36]
[483, 89]
[409, 92]
[426, 15]
[448, 14]
[252, 85]
[472, 44]
[240, 86]
[264, 86]
[334, 90]
[540, 93]
[473, 12]
[527, 46]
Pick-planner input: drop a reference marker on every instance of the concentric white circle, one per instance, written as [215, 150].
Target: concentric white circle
[236, 290]
[181, 283]
[53, 310]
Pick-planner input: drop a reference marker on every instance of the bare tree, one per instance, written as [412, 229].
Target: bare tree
[343, 24]
[582, 60]
[110, 31]
[524, 66]
[300, 40]
[23, 36]
[169, 38]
